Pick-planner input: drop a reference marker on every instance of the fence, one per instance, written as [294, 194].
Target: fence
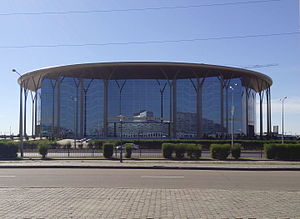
[98, 153]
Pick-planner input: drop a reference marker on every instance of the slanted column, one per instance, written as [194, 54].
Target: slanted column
[261, 112]
[268, 93]
[199, 107]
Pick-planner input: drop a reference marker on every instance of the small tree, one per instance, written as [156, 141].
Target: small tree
[43, 149]
[128, 150]
[108, 150]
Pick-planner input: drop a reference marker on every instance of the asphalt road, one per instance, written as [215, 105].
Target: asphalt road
[129, 178]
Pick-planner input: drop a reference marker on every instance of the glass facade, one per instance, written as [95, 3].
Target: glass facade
[145, 108]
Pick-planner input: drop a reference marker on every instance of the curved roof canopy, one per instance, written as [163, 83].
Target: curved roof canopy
[145, 70]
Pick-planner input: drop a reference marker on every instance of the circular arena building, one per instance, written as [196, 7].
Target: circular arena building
[144, 100]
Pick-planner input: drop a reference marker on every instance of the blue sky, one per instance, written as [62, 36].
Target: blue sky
[216, 20]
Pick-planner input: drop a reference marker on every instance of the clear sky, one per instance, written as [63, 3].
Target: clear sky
[32, 38]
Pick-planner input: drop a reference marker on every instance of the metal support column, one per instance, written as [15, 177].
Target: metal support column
[268, 94]
[261, 94]
[227, 111]
[25, 109]
[174, 108]
[32, 113]
[222, 85]
[247, 92]
[21, 120]
[81, 106]
[199, 107]
[105, 107]
[57, 131]
[35, 114]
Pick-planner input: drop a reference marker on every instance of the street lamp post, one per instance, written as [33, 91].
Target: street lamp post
[121, 149]
[21, 116]
[282, 118]
[232, 112]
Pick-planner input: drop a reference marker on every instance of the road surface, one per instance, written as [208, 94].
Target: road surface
[115, 193]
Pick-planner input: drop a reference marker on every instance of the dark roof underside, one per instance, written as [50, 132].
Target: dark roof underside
[146, 70]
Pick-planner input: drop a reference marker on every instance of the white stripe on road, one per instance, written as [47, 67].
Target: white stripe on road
[163, 177]
[7, 176]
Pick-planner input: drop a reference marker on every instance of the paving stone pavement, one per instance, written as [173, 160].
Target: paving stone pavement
[38, 203]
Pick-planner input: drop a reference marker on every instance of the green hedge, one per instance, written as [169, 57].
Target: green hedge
[8, 150]
[282, 151]
[220, 151]
[193, 151]
[245, 144]
[34, 144]
[167, 150]
[96, 144]
[236, 150]
[108, 150]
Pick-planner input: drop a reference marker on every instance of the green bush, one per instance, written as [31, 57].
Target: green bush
[98, 143]
[128, 150]
[108, 150]
[180, 150]
[236, 150]
[197, 151]
[8, 150]
[282, 151]
[193, 151]
[167, 150]
[43, 149]
[220, 151]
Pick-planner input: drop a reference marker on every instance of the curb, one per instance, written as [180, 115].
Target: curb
[151, 167]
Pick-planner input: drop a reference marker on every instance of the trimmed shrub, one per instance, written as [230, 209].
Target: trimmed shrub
[282, 151]
[236, 150]
[220, 151]
[167, 150]
[193, 151]
[180, 150]
[128, 150]
[197, 151]
[8, 150]
[43, 149]
[108, 150]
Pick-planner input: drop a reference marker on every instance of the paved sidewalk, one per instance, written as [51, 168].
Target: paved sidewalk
[146, 203]
[153, 164]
